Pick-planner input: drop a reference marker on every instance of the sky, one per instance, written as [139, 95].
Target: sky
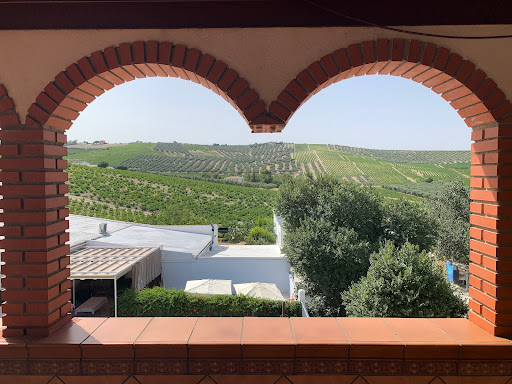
[379, 112]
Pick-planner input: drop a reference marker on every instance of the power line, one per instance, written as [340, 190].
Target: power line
[361, 21]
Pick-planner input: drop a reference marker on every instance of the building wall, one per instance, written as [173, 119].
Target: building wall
[267, 58]
[175, 274]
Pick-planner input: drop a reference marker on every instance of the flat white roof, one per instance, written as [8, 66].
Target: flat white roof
[252, 251]
[85, 228]
[169, 240]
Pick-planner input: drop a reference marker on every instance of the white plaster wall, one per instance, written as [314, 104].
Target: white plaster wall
[267, 57]
[279, 230]
[175, 274]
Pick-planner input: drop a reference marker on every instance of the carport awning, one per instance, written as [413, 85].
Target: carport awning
[109, 263]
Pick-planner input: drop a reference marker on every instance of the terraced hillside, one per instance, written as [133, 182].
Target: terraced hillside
[365, 169]
[221, 159]
[380, 167]
[403, 156]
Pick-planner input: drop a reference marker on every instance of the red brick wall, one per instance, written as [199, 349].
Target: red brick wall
[34, 182]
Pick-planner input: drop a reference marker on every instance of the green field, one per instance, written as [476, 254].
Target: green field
[141, 197]
[365, 166]
[114, 156]
[137, 196]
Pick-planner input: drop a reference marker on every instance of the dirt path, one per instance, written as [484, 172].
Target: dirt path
[359, 169]
[407, 177]
[460, 173]
[312, 170]
[320, 161]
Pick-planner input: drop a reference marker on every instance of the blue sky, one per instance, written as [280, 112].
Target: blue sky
[382, 112]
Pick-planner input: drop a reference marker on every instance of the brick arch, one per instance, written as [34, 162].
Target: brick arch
[8, 114]
[485, 108]
[62, 100]
[477, 99]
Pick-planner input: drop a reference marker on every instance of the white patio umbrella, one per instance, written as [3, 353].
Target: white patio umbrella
[262, 290]
[209, 287]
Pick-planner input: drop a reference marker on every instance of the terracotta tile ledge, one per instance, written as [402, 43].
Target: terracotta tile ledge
[260, 346]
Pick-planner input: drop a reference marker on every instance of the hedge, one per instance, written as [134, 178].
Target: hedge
[162, 302]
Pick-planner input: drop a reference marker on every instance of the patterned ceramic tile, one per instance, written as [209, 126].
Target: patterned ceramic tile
[360, 380]
[207, 380]
[400, 380]
[322, 367]
[54, 367]
[430, 367]
[100, 367]
[244, 379]
[56, 380]
[161, 367]
[267, 367]
[376, 367]
[118, 379]
[19, 379]
[323, 379]
[214, 367]
[486, 368]
[13, 367]
[175, 379]
[475, 380]
[132, 380]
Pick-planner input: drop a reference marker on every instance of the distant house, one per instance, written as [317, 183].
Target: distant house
[100, 142]
[238, 179]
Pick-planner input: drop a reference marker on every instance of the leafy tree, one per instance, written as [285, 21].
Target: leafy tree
[408, 221]
[328, 258]
[267, 176]
[344, 204]
[103, 164]
[452, 211]
[403, 282]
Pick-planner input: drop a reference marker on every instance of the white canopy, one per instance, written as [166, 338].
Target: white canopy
[209, 287]
[261, 290]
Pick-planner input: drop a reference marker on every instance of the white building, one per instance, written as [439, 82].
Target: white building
[189, 252]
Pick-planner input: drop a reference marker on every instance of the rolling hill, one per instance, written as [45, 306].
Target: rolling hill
[369, 166]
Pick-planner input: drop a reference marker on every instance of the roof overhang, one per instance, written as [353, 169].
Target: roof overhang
[99, 263]
[171, 14]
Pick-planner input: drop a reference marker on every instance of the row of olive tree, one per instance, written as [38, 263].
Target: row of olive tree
[334, 230]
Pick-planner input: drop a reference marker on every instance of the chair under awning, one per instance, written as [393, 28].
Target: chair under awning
[101, 263]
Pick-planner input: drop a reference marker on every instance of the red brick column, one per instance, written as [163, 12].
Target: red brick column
[36, 295]
[491, 230]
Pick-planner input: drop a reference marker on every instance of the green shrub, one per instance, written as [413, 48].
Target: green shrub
[403, 282]
[328, 259]
[103, 164]
[259, 235]
[162, 302]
